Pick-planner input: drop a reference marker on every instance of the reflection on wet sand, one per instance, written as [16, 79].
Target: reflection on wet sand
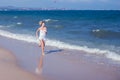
[40, 65]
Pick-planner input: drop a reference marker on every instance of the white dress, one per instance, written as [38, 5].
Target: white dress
[42, 35]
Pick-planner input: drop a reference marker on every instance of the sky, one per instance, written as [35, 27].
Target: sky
[69, 4]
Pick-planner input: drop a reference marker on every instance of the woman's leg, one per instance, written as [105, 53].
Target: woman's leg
[40, 65]
[39, 43]
[42, 46]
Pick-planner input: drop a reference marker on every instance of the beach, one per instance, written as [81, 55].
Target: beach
[9, 69]
[21, 59]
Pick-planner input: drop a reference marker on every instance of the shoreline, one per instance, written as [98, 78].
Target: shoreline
[58, 64]
[109, 54]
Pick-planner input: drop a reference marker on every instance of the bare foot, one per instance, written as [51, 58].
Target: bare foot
[43, 54]
[38, 71]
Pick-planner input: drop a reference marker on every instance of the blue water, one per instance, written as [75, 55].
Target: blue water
[82, 30]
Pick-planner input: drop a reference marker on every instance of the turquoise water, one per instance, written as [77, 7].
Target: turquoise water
[90, 31]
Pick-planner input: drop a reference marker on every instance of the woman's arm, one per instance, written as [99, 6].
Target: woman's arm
[37, 32]
[46, 30]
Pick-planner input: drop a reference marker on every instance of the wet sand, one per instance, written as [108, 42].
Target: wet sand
[9, 69]
[56, 65]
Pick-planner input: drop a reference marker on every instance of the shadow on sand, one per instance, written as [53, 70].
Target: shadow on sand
[53, 51]
[40, 64]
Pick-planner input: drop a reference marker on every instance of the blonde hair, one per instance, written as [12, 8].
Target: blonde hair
[41, 22]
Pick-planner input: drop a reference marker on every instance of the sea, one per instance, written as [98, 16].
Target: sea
[91, 31]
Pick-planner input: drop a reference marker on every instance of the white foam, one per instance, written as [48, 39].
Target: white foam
[26, 38]
[97, 30]
[19, 23]
[48, 20]
[15, 17]
[2, 26]
[63, 45]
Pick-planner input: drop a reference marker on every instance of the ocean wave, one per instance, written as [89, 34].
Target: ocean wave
[15, 17]
[105, 33]
[49, 20]
[8, 26]
[19, 23]
[1, 26]
[74, 32]
[63, 45]
[58, 27]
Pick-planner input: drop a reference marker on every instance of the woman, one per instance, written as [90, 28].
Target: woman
[42, 34]
[41, 37]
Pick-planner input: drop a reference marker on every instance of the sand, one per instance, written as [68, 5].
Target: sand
[57, 64]
[9, 69]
